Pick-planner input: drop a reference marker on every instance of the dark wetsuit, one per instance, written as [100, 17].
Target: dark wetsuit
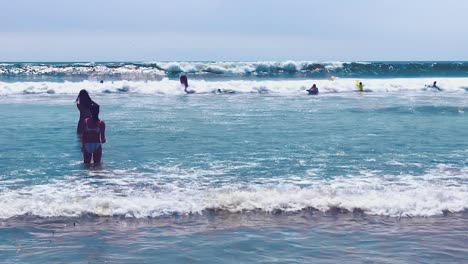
[313, 91]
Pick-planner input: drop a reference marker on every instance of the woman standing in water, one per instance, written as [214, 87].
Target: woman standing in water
[93, 136]
[83, 103]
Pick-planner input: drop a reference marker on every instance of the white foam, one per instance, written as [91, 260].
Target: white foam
[286, 87]
[178, 191]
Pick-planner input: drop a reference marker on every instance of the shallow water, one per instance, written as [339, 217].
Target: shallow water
[301, 237]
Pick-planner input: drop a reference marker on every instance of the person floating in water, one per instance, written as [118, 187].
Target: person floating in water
[93, 136]
[184, 82]
[83, 103]
[313, 90]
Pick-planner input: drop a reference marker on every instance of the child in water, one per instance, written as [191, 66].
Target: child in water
[93, 136]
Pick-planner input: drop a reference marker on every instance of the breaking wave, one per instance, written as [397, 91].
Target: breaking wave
[271, 69]
[441, 190]
[168, 86]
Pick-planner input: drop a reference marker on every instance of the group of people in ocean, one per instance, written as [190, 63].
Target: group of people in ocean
[311, 91]
[360, 88]
[91, 129]
[184, 82]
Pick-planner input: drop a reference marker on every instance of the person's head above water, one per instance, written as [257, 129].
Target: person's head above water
[83, 98]
[314, 86]
[434, 84]
[95, 112]
[184, 80]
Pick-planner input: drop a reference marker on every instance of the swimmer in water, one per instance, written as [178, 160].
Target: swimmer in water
[184, 82]
[313, 90]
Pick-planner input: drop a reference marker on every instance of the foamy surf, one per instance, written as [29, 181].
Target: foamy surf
[440, 191]
[280, 87]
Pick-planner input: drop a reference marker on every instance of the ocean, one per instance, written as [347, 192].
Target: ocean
[249, 169]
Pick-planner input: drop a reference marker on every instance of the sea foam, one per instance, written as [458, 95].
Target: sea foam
[439, 191]
[281, 87]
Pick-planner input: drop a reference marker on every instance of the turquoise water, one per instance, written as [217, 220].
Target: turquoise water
[267, 176]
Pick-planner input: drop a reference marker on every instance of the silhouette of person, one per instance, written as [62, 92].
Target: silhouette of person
[184, 82]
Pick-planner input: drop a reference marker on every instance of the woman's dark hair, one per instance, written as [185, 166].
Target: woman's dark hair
[184, 80]
[84, 98]
[95, 112]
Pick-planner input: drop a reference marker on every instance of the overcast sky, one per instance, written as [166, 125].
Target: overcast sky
[154, 30]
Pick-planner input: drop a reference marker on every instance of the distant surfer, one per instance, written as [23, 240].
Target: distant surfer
[224, 91]
[184, 82]
[93, 136]
[313, 90]
[360, 87]
[83, 103]
[434, 86]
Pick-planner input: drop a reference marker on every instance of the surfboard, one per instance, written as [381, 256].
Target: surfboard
[357, 84]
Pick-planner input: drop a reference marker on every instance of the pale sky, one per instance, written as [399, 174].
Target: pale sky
[247, 30]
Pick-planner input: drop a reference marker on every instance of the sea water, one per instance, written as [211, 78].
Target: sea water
[248, 169]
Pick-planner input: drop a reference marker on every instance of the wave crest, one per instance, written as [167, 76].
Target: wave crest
[440, 191]
[306, 69]
[286, 87]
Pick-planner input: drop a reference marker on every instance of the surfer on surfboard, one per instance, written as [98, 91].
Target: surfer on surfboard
[360, 87]
[433, 86]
